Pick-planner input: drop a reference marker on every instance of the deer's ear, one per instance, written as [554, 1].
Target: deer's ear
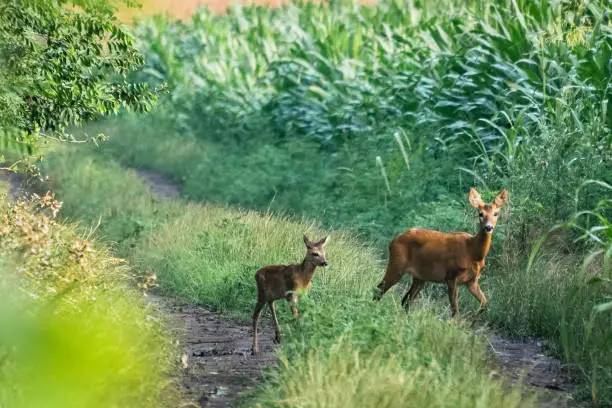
[323, 242]
[307, 241]
[475, 199]
[501, 199]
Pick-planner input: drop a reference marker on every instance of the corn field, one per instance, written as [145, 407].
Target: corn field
[483, 76]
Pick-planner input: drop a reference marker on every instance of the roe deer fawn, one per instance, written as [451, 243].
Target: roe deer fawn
[452, 258]
[276, 282]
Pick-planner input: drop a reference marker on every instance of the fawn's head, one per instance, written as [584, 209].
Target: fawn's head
[316, 251]
[488, 213]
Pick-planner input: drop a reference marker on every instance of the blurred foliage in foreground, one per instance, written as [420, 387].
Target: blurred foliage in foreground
[71, 333]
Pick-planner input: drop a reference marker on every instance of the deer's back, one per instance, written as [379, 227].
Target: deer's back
[432, 255]
[275, 281]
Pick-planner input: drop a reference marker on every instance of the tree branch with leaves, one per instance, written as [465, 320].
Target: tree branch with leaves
[62, 63]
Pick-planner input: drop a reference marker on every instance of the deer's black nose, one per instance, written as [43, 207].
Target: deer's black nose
[488, 228]
[324, 263]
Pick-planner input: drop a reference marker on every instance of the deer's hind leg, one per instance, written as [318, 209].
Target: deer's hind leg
[396, 267]
[415, 288]
[256, 314]
[277, 334]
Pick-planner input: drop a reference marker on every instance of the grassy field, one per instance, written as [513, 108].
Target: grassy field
[373, 120]
[208, 254]
[552, 300]
[73, 333]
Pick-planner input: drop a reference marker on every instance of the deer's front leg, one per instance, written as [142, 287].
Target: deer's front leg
[292, 298]
[475, 290]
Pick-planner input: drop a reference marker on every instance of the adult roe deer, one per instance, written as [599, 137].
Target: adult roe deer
[453, 258]
[276, 282]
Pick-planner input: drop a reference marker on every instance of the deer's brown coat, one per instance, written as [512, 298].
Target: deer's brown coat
[452, 258]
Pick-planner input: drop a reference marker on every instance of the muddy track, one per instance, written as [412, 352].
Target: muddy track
[218, 367]
[216, 354]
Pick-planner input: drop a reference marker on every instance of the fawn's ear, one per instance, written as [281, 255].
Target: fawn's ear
[307, 241]
[475, 199]
[323, 242]
[501, 199]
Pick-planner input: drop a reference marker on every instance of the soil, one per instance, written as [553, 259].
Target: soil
[216, 354]
[216, 351]
[14, 180]
[218, 366]
[525, 360]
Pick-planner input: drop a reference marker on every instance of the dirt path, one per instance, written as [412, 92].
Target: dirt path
[525, 359]
[216, 352]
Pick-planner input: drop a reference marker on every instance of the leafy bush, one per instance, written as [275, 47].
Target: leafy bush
[59, 66]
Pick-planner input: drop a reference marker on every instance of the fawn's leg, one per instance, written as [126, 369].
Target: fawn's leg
[453, 295]
[415, 288]
[293, 300]
[474, 289]
[277, 335]
[256, 315]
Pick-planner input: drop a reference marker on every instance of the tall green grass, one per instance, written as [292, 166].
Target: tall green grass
[209, 254]
[72, 333]
[378, 119]
[551, 300]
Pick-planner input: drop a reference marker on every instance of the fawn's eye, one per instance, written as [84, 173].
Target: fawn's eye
[480, 214]
[496, 214]
[315, 255]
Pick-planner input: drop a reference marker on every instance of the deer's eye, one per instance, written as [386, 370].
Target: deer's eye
[315, 255]
[496, 214]
[480, 214]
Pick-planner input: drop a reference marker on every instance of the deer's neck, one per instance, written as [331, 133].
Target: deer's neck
[479, 245]
[307, 269]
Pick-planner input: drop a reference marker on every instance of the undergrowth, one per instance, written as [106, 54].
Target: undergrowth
[72, 331]
[373, 120]
[209, 254]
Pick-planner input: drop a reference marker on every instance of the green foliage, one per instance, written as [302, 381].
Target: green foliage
[209, 254]
[59, 66]
[503, 94]
[72, 333]
[375, 120]
[583, 331]
[378, 119]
